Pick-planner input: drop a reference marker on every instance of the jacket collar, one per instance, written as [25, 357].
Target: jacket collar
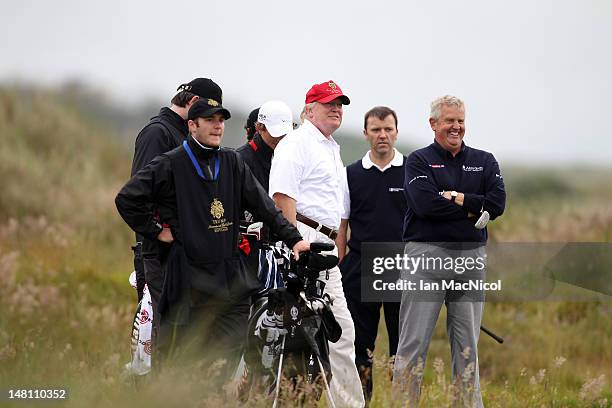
[201, 151]
[313, 130]
[174, 119]
[261, 147]
[445, 154]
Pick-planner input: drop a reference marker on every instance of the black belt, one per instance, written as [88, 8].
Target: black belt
[330, 232]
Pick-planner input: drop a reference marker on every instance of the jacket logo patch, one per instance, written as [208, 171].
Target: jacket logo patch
[395, 189]
[472, 168]
[436, 166]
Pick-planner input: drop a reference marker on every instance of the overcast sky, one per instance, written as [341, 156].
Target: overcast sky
[536, 75]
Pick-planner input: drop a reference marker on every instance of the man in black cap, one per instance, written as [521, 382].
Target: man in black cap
[249, 126]
[200, 191]
[164, 132]
[168, 129]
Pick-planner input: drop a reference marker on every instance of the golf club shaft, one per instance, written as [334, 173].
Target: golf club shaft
[329, 395]
[498, 339]
[280, 371]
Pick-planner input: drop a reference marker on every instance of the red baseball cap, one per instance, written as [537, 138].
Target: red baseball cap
[326, 92]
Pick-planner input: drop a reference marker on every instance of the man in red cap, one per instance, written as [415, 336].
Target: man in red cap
[305, 181]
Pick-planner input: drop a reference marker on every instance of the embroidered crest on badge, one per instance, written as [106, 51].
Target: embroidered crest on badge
[216, 209]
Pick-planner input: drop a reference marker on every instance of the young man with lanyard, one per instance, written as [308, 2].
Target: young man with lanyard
[201, 190]
[164, 132]
[274, 120]
[374, 208]
[306, 183]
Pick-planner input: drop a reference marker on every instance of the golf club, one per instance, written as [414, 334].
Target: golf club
[483, 220]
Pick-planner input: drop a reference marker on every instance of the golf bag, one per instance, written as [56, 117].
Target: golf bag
[289, 328]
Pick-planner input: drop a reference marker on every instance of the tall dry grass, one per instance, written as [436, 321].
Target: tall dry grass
[66, 307]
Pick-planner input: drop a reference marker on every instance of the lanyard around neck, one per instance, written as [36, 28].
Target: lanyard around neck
[197, 165]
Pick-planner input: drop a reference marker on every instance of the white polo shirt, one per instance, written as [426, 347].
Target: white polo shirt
[307, 167]
[366, 162]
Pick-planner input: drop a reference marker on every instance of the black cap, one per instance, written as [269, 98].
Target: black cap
[204, 88]
[205, 108]
[250, 123]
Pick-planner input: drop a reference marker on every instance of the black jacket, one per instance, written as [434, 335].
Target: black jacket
[432, 218]
[203, 215]
[163, 133]
[258, 156]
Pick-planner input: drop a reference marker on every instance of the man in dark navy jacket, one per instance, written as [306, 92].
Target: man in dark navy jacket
[380, 174]
[448, 185]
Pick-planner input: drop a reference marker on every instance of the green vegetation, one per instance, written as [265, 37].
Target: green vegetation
[66, 306]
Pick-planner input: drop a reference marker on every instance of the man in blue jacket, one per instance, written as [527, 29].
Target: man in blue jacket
[448, 185]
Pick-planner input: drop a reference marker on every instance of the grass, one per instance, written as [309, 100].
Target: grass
[544, 361]
[66, 306]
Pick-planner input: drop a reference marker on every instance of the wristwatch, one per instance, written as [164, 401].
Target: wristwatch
[453, 195]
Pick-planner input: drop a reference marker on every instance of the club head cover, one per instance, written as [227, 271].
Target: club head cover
[321, 247]
[320, 262]
[331, 327]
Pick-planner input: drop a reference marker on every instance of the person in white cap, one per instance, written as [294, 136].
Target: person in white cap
[274, 121]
